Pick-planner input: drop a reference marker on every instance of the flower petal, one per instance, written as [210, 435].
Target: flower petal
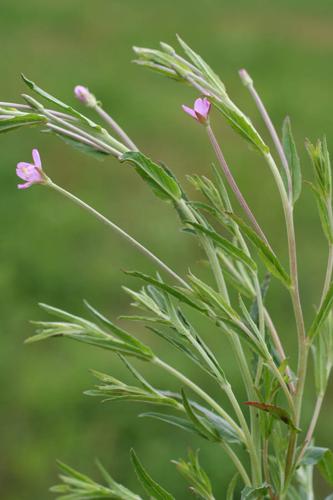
[25, 185]
[190, 111]
[202, 106]
[36, 158]
[24, 170]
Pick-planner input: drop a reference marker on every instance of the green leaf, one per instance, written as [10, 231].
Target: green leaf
[150, 485]
[199, 62]
[68, 109]
[202, 428]
[275, 411]
[225, 430]
[240, 123]
[323, 458]
[292, 157]
[196, 476]
[182, 423]
[80, 146]
[77, 486]
[158, 177]
[254, 311]
[228, 247]
[322, 313]
[15, 122]
[212, 298]
[87, 332]
[249, 493]
[219, 429]
[177, 292]
[265, 253]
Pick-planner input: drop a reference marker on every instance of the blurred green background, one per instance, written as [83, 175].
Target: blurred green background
[50, 251]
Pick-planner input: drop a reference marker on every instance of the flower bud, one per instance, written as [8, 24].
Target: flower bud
[85, 96]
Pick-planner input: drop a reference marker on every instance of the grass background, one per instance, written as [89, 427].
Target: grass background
[52, 252]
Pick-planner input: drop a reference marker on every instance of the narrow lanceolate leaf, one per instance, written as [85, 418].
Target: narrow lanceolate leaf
[158, 177]
[229, 248]
[240, 123]
[202, 66]
[275, 411]
[203, 429]
[249, 493]
[76, 486]
[176, 292]
[268, 257]
[80, 146]
[225, 430]
[196, 476]
[322, 313]
[12, 123]
[212, 298]
[68, 109]
[292, 157]
[323, 458]
[81, 330]
[182, 423]
[153, 489]
[219, 429]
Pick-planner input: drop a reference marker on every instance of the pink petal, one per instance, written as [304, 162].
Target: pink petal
[24, 170]
[36, 176]
[36, 158]
[25, 185]
[190, 111]
[202, 106]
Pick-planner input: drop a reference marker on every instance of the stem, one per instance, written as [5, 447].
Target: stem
[295, 298]
[238, 464]
[279, 347]
[232, 183]
[117, 147]
[114, 125]
[30, 108]
[237, 346]
[312, 426]
[288, 212]
[195, 388]
[78, 137]
[268, 320]
[120, 231]
[248, 82]
[320, 397]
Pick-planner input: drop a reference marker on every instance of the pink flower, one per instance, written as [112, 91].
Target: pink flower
[200, 110]
[84, 95]
[30, 172]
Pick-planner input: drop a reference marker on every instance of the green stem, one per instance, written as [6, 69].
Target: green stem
[120, 231]
[238, 464]
[312, 426]
[295, 298]
[200, 392]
